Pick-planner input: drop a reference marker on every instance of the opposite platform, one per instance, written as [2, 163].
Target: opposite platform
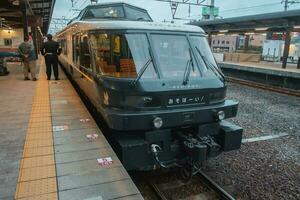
[263, 73]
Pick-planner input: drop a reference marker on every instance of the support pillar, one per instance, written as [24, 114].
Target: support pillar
[247, 38]
[286, 48]
[34, 39]
[24, 18]
[209, 39]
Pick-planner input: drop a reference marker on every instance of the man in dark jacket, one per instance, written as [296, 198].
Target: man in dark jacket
[50, 50]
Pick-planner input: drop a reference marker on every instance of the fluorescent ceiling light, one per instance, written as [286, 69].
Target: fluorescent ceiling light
[262, 29]
[296, 26]
[223, 31]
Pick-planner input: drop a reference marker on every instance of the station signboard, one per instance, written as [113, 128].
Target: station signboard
[207, 10]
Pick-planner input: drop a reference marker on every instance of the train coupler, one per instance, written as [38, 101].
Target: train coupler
[198, 148]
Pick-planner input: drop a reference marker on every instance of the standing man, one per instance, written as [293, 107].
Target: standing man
[27, 52]
[50, 50]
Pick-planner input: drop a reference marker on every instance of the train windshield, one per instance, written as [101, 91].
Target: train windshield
[173, 56]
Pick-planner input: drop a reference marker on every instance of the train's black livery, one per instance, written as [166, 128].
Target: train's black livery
[156, 85]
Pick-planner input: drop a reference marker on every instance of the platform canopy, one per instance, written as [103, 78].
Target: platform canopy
[38, 13]
[277, 21]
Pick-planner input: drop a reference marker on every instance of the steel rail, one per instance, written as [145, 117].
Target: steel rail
[158, 193]
[215, 187]
[219, 191]
[264, 86]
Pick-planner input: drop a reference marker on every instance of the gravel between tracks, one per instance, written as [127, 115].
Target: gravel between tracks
[265, 169]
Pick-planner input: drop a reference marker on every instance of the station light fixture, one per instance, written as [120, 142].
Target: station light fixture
[297, 26]
[250, 33]
[262, 29]
[223, 31]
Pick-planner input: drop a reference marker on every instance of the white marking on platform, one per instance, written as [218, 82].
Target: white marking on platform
[263, 138]
[105, 161]
[95, 198]
[60, 128]
[92, 137]
[56, 102]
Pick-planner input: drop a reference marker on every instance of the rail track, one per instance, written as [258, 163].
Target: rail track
[264, 86]
[216, 191]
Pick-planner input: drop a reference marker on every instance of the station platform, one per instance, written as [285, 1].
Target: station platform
[264, 72]
[51, 148]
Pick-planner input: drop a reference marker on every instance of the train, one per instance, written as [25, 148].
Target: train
[156, 85]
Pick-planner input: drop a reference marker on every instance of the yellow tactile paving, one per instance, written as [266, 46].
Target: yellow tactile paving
[37, 187]
[42, 129]
[37, 161]
[41, 151]
[44, 136]
[50, 196]
[40, 124]
[37, 176]
[36, 173]
[38, 143]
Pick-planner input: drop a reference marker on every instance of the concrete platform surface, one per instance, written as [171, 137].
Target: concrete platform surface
[45, 152]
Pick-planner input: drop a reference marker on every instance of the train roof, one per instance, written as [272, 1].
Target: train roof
[83, 26]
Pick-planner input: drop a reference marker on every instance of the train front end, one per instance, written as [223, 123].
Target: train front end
[164, 97]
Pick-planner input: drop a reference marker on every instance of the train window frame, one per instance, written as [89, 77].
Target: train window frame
[122, 32]
[104, 6]
[156, 57]
[138, 9]
[205, 70]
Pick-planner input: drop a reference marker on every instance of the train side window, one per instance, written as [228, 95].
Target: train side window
[85, 58]
[121, 55]
[101, 47]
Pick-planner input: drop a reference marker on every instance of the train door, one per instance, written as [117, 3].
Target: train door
[85, 64]
[75, 57]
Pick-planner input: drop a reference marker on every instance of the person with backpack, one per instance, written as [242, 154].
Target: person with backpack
[27, 53]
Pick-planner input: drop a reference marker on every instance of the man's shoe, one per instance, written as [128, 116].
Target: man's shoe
[34, 79]
[26, 79]
[48, 79]
[57, 79]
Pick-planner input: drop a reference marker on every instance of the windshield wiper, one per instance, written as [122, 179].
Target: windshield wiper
[187, 71]
[210, 65]
[142, 71]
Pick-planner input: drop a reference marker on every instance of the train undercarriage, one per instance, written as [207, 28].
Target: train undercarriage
[187, 147]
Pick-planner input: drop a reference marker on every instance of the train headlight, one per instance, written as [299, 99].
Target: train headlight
[157, 122]
[221, 115]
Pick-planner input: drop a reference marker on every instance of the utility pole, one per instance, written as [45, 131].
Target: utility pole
[287, 2]
[286, 5]
[212, 6]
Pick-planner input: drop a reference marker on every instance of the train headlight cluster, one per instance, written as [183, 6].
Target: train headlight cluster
[221, 115]
[157, 122]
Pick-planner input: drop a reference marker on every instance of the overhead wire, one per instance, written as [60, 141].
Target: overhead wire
[244, 9]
